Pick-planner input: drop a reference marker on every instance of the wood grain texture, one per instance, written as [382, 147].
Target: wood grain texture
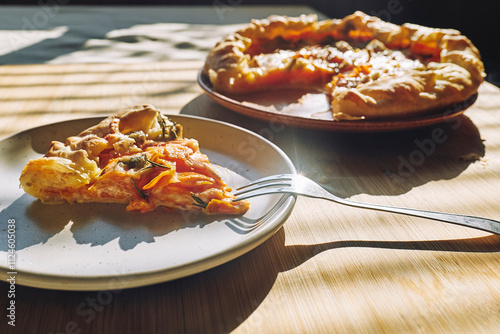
[330, 269]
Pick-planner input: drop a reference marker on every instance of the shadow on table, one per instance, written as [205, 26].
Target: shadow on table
[65, 34]
[386, 163]
[220, 299]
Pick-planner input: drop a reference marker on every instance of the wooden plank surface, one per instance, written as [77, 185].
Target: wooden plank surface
[330, 268]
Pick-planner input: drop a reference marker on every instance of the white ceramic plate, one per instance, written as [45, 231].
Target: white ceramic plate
[101, 246]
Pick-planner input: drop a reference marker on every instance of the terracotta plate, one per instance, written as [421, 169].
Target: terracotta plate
[311, 109]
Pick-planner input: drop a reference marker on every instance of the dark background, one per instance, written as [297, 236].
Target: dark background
[477, 19]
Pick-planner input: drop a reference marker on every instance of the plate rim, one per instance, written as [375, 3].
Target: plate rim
[450, 113]
[69, 282]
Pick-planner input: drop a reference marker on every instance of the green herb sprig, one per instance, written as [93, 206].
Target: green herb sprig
[141, 162]
[153, 164]
[163, 125]
[168, 131]
[199, 202]
[141, 193]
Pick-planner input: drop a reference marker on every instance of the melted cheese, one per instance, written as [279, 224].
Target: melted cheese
[342, 65]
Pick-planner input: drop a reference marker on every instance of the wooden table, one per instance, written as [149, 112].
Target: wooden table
[330, 268]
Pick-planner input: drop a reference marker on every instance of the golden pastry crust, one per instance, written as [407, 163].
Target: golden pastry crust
[138, 157]
[425, 69]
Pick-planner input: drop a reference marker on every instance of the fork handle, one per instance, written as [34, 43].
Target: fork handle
[484, 224]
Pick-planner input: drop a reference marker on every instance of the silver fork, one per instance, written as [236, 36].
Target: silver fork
[301, 185]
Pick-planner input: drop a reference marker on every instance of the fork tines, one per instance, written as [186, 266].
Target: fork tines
[250, 189]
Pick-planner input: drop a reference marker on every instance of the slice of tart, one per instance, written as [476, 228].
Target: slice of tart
[138, 157]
